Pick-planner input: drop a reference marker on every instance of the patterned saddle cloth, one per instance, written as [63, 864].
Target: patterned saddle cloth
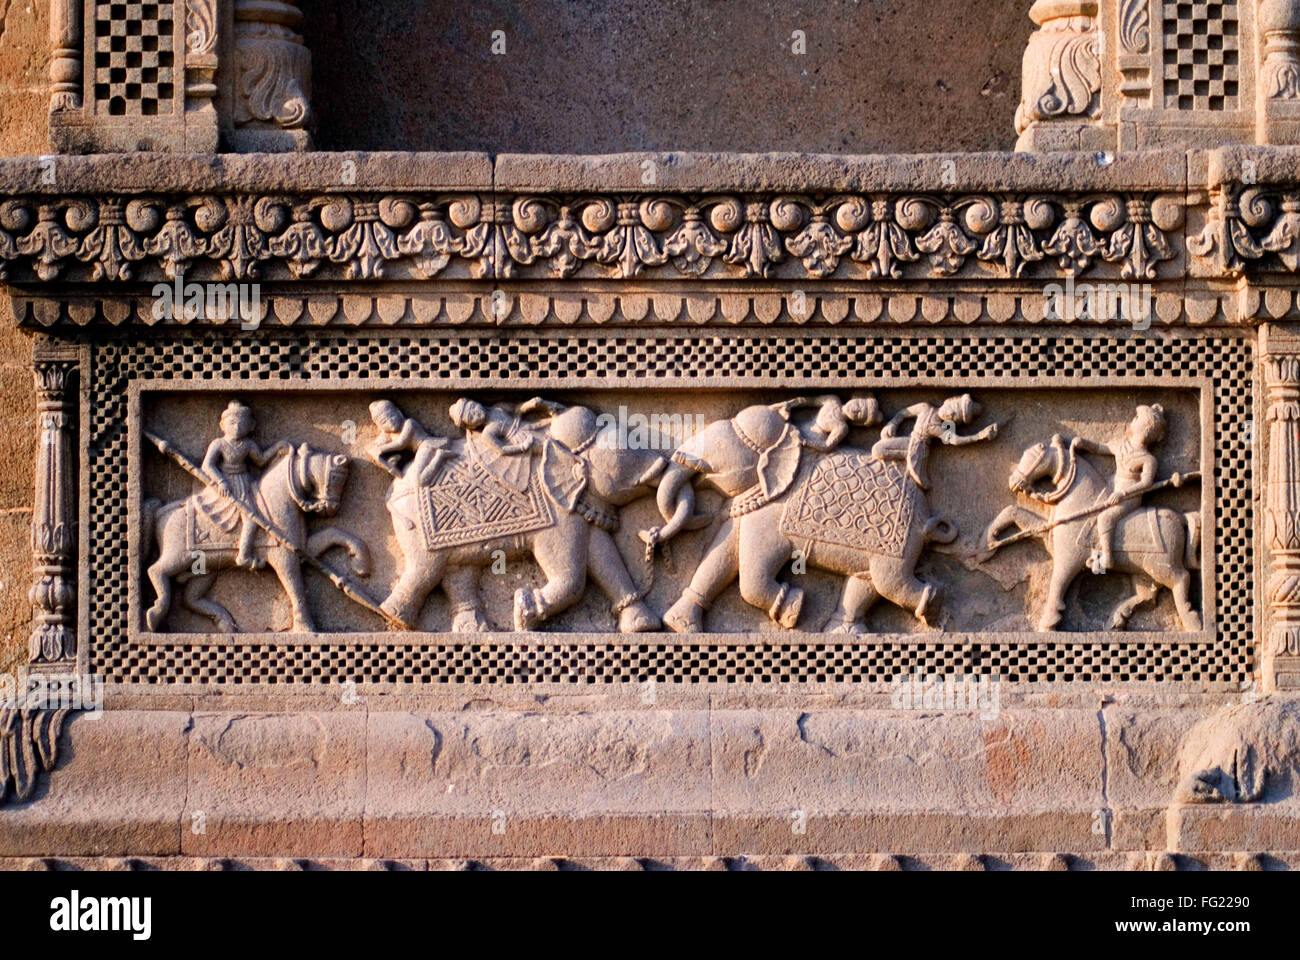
[854, 500]
[467, 503]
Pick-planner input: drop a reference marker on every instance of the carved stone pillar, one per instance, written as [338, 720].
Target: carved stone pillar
[271, 83]
[65, 57]
[1281, 363]
[1279, 86]
[54, 517]
[1061, 80]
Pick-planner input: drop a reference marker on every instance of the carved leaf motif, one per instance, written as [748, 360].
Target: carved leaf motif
[1135, 26]
[693, 246]
[175, 244]
[1074, 244]
[756, 247]
[819, 246]
[1076, 78]
[272, 82]
[364, 247]
[1282, 239]
[201, 26]
[29, 745]
[49, 243]
[565, 243]
[430, 242]
[631, 248]
[947, 245]
[881, 245]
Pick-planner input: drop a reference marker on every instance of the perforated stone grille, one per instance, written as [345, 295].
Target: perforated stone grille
[772, 359]
[1201, 54]
[134, 58]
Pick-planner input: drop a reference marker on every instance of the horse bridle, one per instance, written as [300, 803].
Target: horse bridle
[300, 477]
[1062, 482]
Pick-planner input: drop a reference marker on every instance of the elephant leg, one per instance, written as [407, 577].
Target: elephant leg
[561, 552]
[606, 565]
[849, 617]
[194, 597]
[1181, 587]
[720, 566]
[898, 584]
[289, 570]
[1144, 591]
[461, 586]
[406, 599]
[763, 553]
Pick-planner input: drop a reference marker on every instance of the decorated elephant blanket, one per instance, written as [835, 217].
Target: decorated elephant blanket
[854, 500]
[467, 503]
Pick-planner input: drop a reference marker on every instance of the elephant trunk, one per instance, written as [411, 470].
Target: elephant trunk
[676, 501]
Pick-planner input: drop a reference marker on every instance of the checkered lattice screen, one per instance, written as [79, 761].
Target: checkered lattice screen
[1201, 54]
[370, 362]
[134, 58]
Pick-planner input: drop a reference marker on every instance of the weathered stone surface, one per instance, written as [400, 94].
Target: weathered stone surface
[276, 784]
[486, 784]
[105, 807]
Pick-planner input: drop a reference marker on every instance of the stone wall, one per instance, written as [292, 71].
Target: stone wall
[592, 77]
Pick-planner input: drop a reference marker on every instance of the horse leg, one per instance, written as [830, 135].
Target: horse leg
[289, 570]
[608, 569]
[858, 596]
[160, 576]
[193, 596]
[331, 537]
[763, 552]
[1066, 564]
[1144, 591]
[1181, 587]
[461, 586]
[720, 566]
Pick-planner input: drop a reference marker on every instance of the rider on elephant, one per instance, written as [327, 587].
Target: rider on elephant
[501, 438]
[401, 434]
[1135, 471]
[834, 420]
[226, 464]
[931, 423]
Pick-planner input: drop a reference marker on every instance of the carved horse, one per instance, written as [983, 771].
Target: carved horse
[1156, 546]
[302, 483]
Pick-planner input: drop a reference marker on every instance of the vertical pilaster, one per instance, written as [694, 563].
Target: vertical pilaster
[65, 55]
[1278, 106]
[54, 517]
[1281, 364]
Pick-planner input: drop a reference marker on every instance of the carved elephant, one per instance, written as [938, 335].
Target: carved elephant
[563, 515]
[846, 511]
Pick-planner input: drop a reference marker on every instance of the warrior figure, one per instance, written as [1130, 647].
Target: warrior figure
[1135, 472]
[229, 501]
[931, 423]
[400, 434]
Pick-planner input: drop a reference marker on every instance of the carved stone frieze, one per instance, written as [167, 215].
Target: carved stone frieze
[861, 237]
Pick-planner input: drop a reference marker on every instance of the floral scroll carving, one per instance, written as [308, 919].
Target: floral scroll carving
[367, 237]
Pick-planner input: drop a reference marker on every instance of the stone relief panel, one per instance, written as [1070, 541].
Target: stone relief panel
[420, 499]
[888, 511]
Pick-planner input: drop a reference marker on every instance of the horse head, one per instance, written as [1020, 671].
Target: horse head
[317, 479]
[1053, 460]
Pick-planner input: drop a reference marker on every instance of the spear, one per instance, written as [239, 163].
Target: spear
[1097, 508]
[351, 589]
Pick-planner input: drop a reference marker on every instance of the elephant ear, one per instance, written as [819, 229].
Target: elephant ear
[564, 475]
[778, 465]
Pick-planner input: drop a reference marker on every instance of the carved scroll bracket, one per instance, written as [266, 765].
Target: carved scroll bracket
[1280, 349]
[53, 643]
